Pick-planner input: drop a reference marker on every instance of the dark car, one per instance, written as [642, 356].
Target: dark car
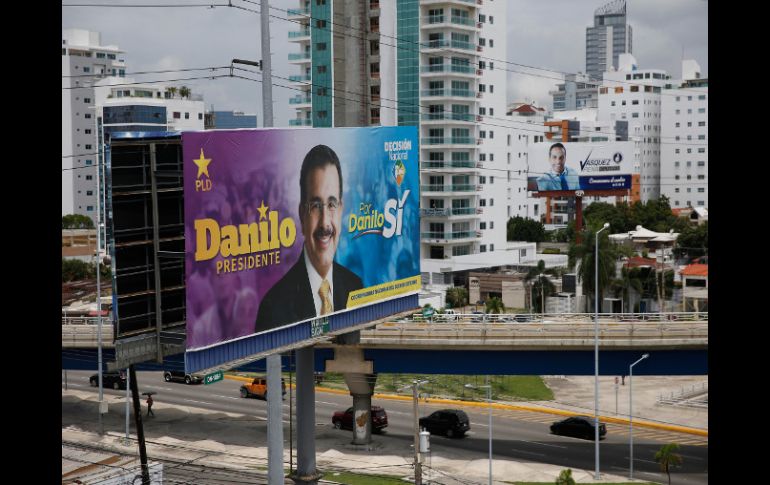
[579, 427]
[451, 422]
[478, 317]
[180, 376]
[115, 380]
[522, 318]
[344, 419]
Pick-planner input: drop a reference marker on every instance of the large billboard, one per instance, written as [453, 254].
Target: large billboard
[580, 166]
[287, 225]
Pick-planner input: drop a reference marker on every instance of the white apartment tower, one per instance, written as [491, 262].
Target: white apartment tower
[635, 96]
[463, 139]
[684, 128]
[84, 61]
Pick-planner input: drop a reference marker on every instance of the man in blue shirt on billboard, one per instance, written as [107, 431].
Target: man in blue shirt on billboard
[560, 177]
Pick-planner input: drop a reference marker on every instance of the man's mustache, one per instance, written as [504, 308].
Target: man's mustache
[322, 232]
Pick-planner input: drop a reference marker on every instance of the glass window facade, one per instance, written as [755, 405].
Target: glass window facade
[322, 104]
[134, 114]
[408, 62]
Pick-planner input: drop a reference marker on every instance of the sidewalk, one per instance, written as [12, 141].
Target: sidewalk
[236, 440]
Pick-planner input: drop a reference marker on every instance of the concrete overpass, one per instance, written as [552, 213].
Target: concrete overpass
[538, 345]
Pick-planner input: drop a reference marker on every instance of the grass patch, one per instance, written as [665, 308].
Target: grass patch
[361, 479]
[615, 483]
[512, 388]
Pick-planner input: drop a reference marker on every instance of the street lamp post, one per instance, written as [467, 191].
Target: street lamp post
[631, 416]
[489, 407]
[596, 349]
[417, 466]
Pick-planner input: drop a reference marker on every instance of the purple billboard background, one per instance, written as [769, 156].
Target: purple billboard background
[225, 307]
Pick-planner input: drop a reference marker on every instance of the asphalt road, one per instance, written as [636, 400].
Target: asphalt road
[515, 435]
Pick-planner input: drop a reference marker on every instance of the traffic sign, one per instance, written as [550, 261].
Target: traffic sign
[428, 312]
[215, 377]
[319, 326]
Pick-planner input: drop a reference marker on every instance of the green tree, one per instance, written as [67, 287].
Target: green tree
[495, 305]
[76, 221]
[693, 241]
[540, 287]
[457, 296]
[172, 91]
[184, 92]
[525, 229]
[565, 478]
[667, 457]
[608, 254]
[617, 215]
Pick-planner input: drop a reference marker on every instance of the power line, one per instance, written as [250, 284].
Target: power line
[399, 106]
[212, 68]
[149, 82]
[363, 38]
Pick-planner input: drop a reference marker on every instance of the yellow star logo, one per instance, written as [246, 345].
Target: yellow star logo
[203, 165]
[262, 211]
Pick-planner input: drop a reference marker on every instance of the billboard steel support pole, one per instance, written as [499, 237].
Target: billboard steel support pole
[139, 426]
[274, 420]
[306, 471]
[156, 249]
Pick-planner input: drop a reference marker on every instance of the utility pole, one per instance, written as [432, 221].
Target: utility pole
[417, 466]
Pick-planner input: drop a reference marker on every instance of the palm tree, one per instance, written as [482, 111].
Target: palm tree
[457, 296]
[585, 251]
[172, 91]
[667, 458]
[184, 92]
[495, 305]
[539, 286]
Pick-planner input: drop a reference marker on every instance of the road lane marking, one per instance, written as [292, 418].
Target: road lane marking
[227, 397]
[693, 457]
[543, 444]
[527, 452]
[198, 402]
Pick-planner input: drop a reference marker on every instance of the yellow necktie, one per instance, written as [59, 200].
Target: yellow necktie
[326, 301]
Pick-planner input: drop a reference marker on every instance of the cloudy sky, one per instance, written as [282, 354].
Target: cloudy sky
[546, 34]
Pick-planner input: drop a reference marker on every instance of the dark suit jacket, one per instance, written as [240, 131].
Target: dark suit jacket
[291, 298]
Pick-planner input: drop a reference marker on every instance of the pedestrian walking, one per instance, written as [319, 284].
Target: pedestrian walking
[149, 406]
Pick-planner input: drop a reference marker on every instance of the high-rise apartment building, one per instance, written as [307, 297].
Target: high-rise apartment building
[633, 95]
[684, 129]
[427, 63]
[607, 39]
[84, 61]
[221, 120]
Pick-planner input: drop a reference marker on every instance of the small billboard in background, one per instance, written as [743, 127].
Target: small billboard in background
[283, 226]
[580, 166]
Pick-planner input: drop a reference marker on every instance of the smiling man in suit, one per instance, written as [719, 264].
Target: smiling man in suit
[315, 285]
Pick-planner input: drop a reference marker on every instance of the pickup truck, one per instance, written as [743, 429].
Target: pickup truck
[258, 388]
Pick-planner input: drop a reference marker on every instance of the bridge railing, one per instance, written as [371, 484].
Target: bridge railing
[85, 321]
[609, 330]
[558, 317]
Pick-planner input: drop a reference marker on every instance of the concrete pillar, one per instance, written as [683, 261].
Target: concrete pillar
[362, 421]
[274, 421]
[306, 472]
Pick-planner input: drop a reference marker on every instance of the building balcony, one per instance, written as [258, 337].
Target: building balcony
[464, 3]
[449, 188]
[450, 44]
[299, 79]
[449, 164]
[442, 21]
[300, 100]
[300, 122]
[448, 140]
[299, 57]
[299, 35]
[443, 69]
[443, 117]
[294, 13]
[447, 93]
[447, 212]
[450, 236]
